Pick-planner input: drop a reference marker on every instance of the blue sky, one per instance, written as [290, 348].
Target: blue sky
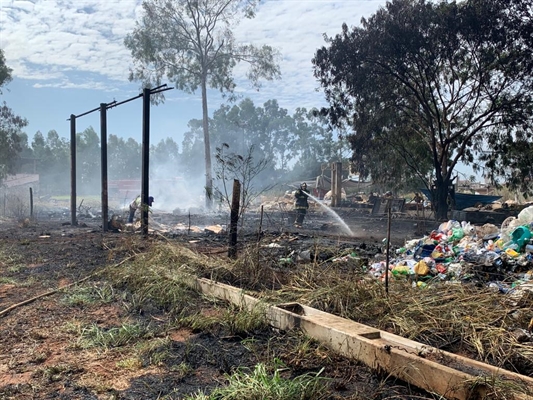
[68, 57]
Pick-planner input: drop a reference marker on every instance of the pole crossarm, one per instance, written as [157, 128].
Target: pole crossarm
[85, 113]
[115, 104]
[154, 91]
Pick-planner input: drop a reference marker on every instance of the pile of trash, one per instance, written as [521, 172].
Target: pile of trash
[458, 252]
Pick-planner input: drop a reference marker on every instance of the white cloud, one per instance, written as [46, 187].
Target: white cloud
[52, 35]
[297, 29]
[76, 43]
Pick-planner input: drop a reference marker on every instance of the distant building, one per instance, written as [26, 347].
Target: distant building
[14, 192]
[20, 182]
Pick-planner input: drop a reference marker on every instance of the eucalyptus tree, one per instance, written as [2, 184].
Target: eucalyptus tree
[26, 163]
[192, 150]
[10, 126]
[88, 161]
[433, 82]
[124, 158]
[5, 71]
[165, 158]
[191, 43]
[52, 155]
[314, 145]
[235, 126]
[300, 140]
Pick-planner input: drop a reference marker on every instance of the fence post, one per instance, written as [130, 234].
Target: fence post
[234, 218]
[31, 203]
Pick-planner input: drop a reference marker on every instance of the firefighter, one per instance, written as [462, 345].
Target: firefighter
[135, 205]
[301, 204]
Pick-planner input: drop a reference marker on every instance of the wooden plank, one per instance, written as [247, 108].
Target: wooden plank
[437, 371]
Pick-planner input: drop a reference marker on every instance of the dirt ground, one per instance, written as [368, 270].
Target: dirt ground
[40, 355]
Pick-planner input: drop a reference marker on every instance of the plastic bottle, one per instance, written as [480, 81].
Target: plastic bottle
[510, 245]
[401, 250]
[512, 252]
[521, 236]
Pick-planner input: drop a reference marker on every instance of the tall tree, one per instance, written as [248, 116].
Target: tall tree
[10, 126]
[300, 142]
[191, 43]
[124, 158]
[165, 158]
[192, 150]
[88, 161]
[315, 146]
[450, 77]
[268, 130]
[5, 71]
[52, 156]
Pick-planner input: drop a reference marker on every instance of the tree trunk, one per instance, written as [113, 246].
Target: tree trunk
[207, 146]
[440, 201]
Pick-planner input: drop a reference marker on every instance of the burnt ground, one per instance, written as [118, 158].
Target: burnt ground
[40, 355]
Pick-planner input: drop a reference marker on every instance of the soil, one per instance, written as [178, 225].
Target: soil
[39, 353]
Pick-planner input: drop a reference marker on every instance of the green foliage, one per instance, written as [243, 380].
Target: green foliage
[191, 43]
[234, 320]
[84, 295]
[5, 71]
[52, 156]
[298, 143]
[123, 157]
[10, 127]
[265, 385]
[95, 336]
[430, 84]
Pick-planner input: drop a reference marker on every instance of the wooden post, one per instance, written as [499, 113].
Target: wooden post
[336, 184]
[31, 203]
[234, 218]
[333, 185]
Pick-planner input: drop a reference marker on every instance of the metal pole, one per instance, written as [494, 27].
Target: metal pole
[73, 220]
[145, 161]
[103, 148]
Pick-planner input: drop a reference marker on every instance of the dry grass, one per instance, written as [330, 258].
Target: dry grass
[474, 321]
[464, 319]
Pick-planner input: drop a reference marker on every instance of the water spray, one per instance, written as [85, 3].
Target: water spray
[329, 210]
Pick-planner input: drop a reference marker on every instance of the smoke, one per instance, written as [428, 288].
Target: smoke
[174, 191]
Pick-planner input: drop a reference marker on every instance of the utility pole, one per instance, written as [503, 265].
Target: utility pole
[73, 220]
[103, 156]
[103, 146]
[145, 161]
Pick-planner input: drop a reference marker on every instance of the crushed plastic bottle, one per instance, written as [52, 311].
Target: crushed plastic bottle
[512, 252]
